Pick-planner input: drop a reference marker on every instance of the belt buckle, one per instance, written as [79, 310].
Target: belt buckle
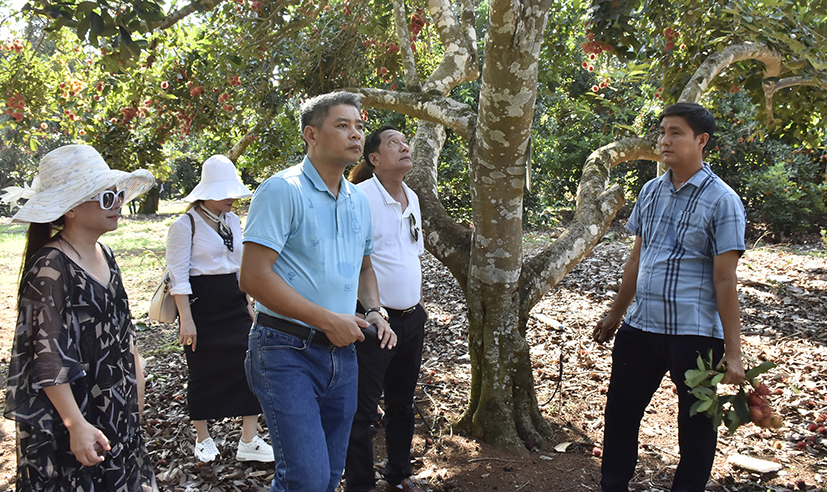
[409, 310]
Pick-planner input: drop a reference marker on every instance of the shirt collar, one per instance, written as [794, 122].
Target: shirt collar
[389, 200]
[313, 175]
[385, 195]
[696, 180]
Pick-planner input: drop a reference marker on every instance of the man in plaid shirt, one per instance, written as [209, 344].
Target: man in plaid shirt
[681, 284]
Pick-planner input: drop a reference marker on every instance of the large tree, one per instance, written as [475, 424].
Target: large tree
[500, 285]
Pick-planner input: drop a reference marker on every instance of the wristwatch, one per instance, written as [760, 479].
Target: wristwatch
[377, 309]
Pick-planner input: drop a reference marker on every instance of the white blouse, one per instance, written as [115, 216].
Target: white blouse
[203, 253]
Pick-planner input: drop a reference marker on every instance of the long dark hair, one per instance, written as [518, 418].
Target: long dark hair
[37, 236]
[363, 170]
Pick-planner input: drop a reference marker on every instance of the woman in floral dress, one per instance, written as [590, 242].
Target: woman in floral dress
[75, 386]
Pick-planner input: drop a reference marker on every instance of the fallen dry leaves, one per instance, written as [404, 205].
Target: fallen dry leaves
[784, 319]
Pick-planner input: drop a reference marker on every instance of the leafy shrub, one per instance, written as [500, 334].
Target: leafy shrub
[775, 197]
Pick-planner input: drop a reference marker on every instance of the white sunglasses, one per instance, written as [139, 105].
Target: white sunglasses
[108, 198]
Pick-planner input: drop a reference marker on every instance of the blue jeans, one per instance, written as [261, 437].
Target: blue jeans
[308, 398]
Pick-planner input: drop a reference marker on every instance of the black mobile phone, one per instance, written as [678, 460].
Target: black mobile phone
[371, 332]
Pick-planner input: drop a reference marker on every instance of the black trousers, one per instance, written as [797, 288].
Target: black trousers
[639, 361]
[395, 372]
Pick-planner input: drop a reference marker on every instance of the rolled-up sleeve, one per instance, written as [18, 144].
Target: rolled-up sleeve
[179, 250]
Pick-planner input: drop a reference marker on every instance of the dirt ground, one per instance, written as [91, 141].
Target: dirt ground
[782, 292]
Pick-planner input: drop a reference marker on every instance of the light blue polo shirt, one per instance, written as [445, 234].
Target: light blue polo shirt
[321, 239]
[681, 232]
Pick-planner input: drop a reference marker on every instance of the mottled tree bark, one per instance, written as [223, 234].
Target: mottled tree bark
[503, 407]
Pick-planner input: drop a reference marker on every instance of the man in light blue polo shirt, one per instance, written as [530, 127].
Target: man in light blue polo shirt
[689, 234]
[306, 259]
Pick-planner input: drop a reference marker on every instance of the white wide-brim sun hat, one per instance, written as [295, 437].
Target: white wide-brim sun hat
[69, 176]
[219, 181]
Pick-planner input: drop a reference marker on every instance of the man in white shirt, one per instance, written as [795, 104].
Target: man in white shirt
[398, 244]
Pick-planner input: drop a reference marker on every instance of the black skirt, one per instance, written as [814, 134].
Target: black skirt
[217, 384]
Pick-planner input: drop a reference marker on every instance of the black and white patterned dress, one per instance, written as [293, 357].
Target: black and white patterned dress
[72, 329]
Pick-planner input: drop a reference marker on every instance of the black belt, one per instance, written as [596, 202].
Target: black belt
[284, 326]
[401, 313]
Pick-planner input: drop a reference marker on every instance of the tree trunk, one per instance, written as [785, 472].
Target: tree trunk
[149, 204]
[503, 407]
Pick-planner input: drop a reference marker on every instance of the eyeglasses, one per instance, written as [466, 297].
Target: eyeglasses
[414, 228]
[108, 198]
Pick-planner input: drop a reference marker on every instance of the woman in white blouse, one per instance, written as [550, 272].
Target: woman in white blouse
[204, 257]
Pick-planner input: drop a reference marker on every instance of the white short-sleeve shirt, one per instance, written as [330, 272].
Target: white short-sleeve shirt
[396, 252]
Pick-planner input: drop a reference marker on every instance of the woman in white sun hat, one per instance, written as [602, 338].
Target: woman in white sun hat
[75, 386]
[204, 257]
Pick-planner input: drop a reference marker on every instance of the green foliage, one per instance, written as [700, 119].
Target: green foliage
[774, 196]
[731, 410]
[116, 23]
[186, 175]
[239, 70]
[584, 101]
[676, 37]
[783, 186]
[453, 178]
[236, 72]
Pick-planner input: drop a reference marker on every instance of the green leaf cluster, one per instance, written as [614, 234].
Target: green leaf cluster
[119, 24]
[730, 410]
[676, 37]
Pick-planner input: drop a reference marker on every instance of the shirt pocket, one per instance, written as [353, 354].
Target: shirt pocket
[691, 233]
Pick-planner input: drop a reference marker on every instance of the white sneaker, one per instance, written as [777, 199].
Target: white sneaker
[255, 450]
[205, 451]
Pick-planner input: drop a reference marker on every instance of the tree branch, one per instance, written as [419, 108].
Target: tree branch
[248, 138]
[274, 34]
[770, 89]
[716, 62]
[460, 118]
[403, 34]
[198, 6]
[801, 80]
[459, 64]
[596, 208]
[448, 241]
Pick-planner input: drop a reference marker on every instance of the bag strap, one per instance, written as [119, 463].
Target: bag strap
[192, 224]
[167, 276]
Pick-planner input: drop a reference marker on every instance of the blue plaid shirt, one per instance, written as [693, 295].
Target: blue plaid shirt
[681, 232]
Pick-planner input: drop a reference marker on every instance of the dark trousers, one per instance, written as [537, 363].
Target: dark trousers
[639, 362]
[395, 372]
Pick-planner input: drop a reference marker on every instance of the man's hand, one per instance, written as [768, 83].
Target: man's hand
[386, 336]
[606, 327]
[734, 369]
[344, 329]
